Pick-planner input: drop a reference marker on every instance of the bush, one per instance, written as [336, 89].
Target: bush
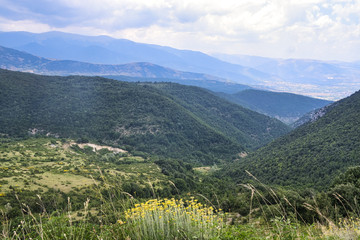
[172, 219]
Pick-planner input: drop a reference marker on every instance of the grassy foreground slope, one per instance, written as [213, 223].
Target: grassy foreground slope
[311, 155]
[71, 190]
[44, 164]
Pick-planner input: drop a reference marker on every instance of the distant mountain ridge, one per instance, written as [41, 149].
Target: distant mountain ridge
[322, 79]
[21, 61]
[107, 50]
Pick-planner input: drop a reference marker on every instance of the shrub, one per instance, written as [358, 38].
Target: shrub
[172, 219]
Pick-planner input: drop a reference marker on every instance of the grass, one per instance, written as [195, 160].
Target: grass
[166, 219]
[203, 170]
[112, 213]
[347, 228]
[207, 169]
[153, 219]
[124, 217]
[64, 182]
[20, 182]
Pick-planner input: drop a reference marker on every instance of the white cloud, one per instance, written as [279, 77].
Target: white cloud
[281, 28]
[23, 25]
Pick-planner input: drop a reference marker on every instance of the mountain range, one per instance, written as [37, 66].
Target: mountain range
[106, 50]
[16, 60]
[322, 79]
[286, 107]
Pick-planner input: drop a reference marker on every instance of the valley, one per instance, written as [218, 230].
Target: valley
[331, 80]
[286, 107]
[146, 72]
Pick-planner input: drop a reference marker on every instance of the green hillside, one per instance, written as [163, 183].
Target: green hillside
[242, 125]
[137, 117]
[286, 107]
[313, 154]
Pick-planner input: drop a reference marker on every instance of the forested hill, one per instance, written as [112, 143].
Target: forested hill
[241, 124]
[286, 107]
[116, 113]
[313, 154]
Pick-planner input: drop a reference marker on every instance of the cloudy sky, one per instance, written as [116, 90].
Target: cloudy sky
[317, 29]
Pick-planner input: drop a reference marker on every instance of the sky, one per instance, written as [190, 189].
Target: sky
[312, 29]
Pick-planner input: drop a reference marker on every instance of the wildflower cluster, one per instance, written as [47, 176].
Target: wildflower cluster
[170, 218]
[350, 224]
[346, 228]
